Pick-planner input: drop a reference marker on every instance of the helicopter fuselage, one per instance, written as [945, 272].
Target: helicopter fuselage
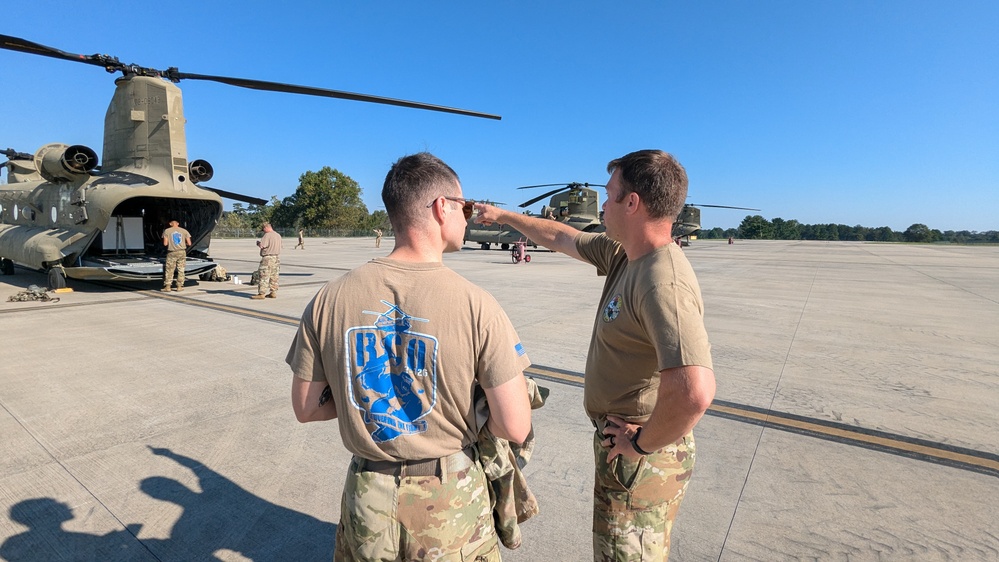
[57, 209]
[579, 208]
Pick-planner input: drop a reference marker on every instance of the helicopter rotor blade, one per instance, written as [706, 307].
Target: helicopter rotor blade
[570, 185]
[544, 185]
[322, 92]
[542, 196]
[24, 46]
[112, 64]
[565, 187]
[236, 196]
[723, 207]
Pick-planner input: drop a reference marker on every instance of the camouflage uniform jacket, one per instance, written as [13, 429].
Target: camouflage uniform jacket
[502, 461]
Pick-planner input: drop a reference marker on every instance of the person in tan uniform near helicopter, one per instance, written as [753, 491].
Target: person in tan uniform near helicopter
[270, 264]
[649, 375]
[176, 240]
[393, 350]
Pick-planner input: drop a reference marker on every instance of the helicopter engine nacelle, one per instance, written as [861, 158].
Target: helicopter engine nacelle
[200, 170]
[61, 162]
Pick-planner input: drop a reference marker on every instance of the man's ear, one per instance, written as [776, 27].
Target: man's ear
[632, 200]
[439, 211]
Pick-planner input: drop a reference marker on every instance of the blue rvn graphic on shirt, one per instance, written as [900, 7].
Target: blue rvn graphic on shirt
[392, 373]
[177, 238]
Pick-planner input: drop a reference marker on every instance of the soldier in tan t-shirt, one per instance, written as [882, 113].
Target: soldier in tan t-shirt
[176, 239]
[393, 350]
[649, 376]
[269, 270]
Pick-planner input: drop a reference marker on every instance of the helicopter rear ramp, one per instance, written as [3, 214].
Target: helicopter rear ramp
[134, 269]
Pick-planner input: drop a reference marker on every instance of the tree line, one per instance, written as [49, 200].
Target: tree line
[755, 227]
[325, 202]
[328, 203]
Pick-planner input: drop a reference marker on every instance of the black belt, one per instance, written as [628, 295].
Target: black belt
[423, 467]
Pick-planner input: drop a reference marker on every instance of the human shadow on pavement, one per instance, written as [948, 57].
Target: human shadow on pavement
[45, 538]
[223, 516]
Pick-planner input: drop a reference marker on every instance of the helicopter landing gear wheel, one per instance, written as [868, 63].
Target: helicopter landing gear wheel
[484, 245]
[57, 278]
[6, 266]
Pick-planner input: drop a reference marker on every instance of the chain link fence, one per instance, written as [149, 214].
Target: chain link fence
[292, 233]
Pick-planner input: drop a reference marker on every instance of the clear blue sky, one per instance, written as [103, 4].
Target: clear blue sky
[878, 113]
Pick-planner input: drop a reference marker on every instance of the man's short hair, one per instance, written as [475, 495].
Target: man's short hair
[412, 183]
[658, 179]
[265, 225]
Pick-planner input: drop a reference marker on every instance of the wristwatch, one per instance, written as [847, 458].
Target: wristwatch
[634, 443]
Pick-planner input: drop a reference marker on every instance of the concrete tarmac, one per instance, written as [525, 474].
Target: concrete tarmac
[855, 418]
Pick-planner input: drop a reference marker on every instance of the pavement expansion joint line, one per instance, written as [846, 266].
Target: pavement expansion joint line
[56, 460]
[773, 398]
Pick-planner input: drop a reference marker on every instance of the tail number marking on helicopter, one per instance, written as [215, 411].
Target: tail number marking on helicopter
[149, 100]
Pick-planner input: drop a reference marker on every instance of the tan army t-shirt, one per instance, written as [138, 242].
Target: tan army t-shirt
[651, 318]
[270, 244]
[401, 344]
[176, 238]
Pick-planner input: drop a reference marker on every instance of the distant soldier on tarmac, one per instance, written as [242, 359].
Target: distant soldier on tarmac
[176, 240]
[301, 239]
[270, 249]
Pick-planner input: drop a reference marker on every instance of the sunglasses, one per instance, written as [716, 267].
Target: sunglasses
[467, 207]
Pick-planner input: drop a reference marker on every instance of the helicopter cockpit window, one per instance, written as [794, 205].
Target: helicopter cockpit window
[55, 215]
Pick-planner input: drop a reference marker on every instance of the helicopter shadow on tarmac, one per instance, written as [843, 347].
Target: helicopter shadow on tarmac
[222, 517]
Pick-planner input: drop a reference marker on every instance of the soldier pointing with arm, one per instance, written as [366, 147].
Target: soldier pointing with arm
[649, 376]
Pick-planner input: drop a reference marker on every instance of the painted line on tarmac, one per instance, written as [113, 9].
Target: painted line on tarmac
[919, 449]
[49, 305]
[555, 375]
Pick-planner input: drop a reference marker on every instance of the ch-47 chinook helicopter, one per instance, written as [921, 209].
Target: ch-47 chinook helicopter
[63, 213]
[572, 203]
[577, 205]
[688, 222]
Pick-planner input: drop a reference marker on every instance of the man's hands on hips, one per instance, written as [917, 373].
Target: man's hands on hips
[617, 438]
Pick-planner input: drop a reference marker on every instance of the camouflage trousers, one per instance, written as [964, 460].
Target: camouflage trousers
[268, 272]
[445, 518]
[175, 261]
[635, 501]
